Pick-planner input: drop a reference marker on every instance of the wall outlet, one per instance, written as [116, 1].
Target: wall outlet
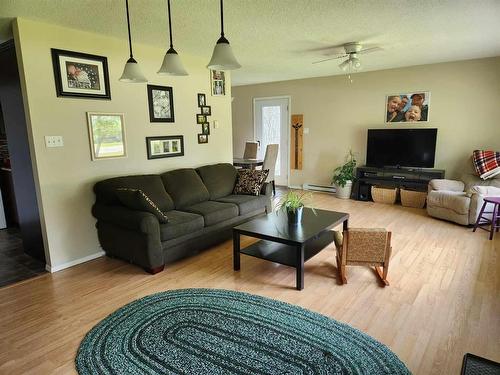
[54, 141]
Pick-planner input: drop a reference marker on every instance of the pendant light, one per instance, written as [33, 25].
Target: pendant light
[172, 64]
[223, 57]
[132, 72]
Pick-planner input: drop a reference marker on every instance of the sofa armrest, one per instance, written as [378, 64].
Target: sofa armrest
[486, 191]
[267, 189]
[447, 185]
[142, 221]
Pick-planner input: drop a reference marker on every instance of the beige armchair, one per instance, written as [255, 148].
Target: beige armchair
[460, 201]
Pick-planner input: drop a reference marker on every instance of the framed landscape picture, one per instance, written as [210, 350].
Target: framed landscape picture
[107, 135]
[161, 103]
[80, 75]
[165, 146]
[218, 82]
[409, 107]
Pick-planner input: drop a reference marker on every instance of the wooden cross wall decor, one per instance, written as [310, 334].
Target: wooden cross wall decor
[296, 141]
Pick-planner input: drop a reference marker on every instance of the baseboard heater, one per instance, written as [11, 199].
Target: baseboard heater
[319, 187]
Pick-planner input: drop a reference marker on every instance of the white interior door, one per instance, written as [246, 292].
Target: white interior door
[271, 120]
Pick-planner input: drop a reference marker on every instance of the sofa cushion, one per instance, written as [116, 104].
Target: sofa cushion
[151, 185]
[219, 179]
[135, 199]
[246, 203]
[455, 201]
[185, 187]
[214, 212]
[179, 224]
[250, 181]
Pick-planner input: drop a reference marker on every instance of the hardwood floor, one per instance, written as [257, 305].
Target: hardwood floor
[443, 300]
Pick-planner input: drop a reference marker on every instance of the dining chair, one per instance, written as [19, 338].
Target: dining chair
[363, 247]
[250, 150]
[270, 159]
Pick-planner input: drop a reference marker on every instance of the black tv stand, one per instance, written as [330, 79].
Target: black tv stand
[409, 178]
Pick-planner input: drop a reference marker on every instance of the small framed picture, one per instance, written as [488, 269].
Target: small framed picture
[165, 146]
[161, 103]
[205, 128]
[206, 110]
[106, 135]
[202, 138]
[202, 101]
[80, 75]
[218, 82]
[201, 119]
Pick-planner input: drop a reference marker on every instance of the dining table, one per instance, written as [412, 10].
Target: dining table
[247, 163]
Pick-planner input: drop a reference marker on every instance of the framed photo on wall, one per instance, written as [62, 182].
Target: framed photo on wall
[106, 135]
[161, 103]
[165, 146]
[205, 128]
[80, 75]
[201, 119]
[409, 107]
[206, 110]
[202, 100]
[202, 138]
[218, 82]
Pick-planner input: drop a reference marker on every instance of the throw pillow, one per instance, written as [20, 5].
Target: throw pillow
[250, 181]
[135, 199]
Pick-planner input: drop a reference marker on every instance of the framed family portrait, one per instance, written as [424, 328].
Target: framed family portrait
[202, 100]
[218, 82]
[106, 135]
[206, 110]
[161, 103]
[409, 107]
[205, 128]
[202, 138]
[165, 146]
[80, 75]
[201, 119]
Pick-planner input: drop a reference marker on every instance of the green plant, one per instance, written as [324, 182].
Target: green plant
[345, 172]
[293, 200]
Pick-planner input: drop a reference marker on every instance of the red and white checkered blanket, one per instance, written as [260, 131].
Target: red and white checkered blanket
[486, 163]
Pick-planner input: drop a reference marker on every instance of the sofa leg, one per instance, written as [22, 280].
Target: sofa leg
[154, 270]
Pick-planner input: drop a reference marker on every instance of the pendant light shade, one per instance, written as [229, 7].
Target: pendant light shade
[172, 64]
[223, 57]
[132, 72]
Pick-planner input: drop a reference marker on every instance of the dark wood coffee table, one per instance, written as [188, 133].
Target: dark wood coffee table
[291, 245]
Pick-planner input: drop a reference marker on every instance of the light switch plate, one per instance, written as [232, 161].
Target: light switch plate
[54, 141]
[306, 130]
[216, 124]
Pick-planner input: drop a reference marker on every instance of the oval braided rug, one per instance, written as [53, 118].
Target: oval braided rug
[210, 331]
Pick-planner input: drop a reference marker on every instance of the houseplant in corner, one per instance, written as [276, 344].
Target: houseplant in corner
[293, 204]
[343, 177]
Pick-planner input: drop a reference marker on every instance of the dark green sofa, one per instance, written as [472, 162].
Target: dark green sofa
[198, 202]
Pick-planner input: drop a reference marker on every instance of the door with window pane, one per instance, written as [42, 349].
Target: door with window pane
[271, 126]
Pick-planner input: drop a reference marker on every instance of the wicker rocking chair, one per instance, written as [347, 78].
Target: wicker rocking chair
[363, 247]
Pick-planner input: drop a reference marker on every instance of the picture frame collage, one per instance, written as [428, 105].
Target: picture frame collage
[85, 76]
[202, 118]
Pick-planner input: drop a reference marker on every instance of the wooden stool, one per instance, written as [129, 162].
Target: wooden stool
[494, 222]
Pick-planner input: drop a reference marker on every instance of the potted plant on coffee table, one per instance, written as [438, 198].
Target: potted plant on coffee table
[343, 177]
[293, 204]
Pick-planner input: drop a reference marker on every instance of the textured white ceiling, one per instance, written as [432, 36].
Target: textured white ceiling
[279, 39]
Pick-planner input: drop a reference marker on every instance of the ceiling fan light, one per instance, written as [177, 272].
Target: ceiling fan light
[344, 65]
[172, 65]
[132, 72]
[356, 64]
[223, 57]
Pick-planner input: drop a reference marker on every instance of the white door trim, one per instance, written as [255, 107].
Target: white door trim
[289, 99]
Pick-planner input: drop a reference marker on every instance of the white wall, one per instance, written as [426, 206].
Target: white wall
[464, 108]
[66, 175]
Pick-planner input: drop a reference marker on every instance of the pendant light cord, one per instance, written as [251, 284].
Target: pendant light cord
[129, 34]
[169, 24]
[221, 18]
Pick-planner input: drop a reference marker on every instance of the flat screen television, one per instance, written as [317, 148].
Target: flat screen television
[401, 148]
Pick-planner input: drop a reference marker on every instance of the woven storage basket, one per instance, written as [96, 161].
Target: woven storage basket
[384, 194]
[410, 198]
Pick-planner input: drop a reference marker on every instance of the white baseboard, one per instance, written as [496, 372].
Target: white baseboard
[62, 266]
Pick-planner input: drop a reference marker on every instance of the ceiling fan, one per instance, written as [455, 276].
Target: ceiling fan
[351, 52]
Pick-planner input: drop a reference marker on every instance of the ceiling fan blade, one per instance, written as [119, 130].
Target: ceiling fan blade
[370, 50]
[331, 58]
